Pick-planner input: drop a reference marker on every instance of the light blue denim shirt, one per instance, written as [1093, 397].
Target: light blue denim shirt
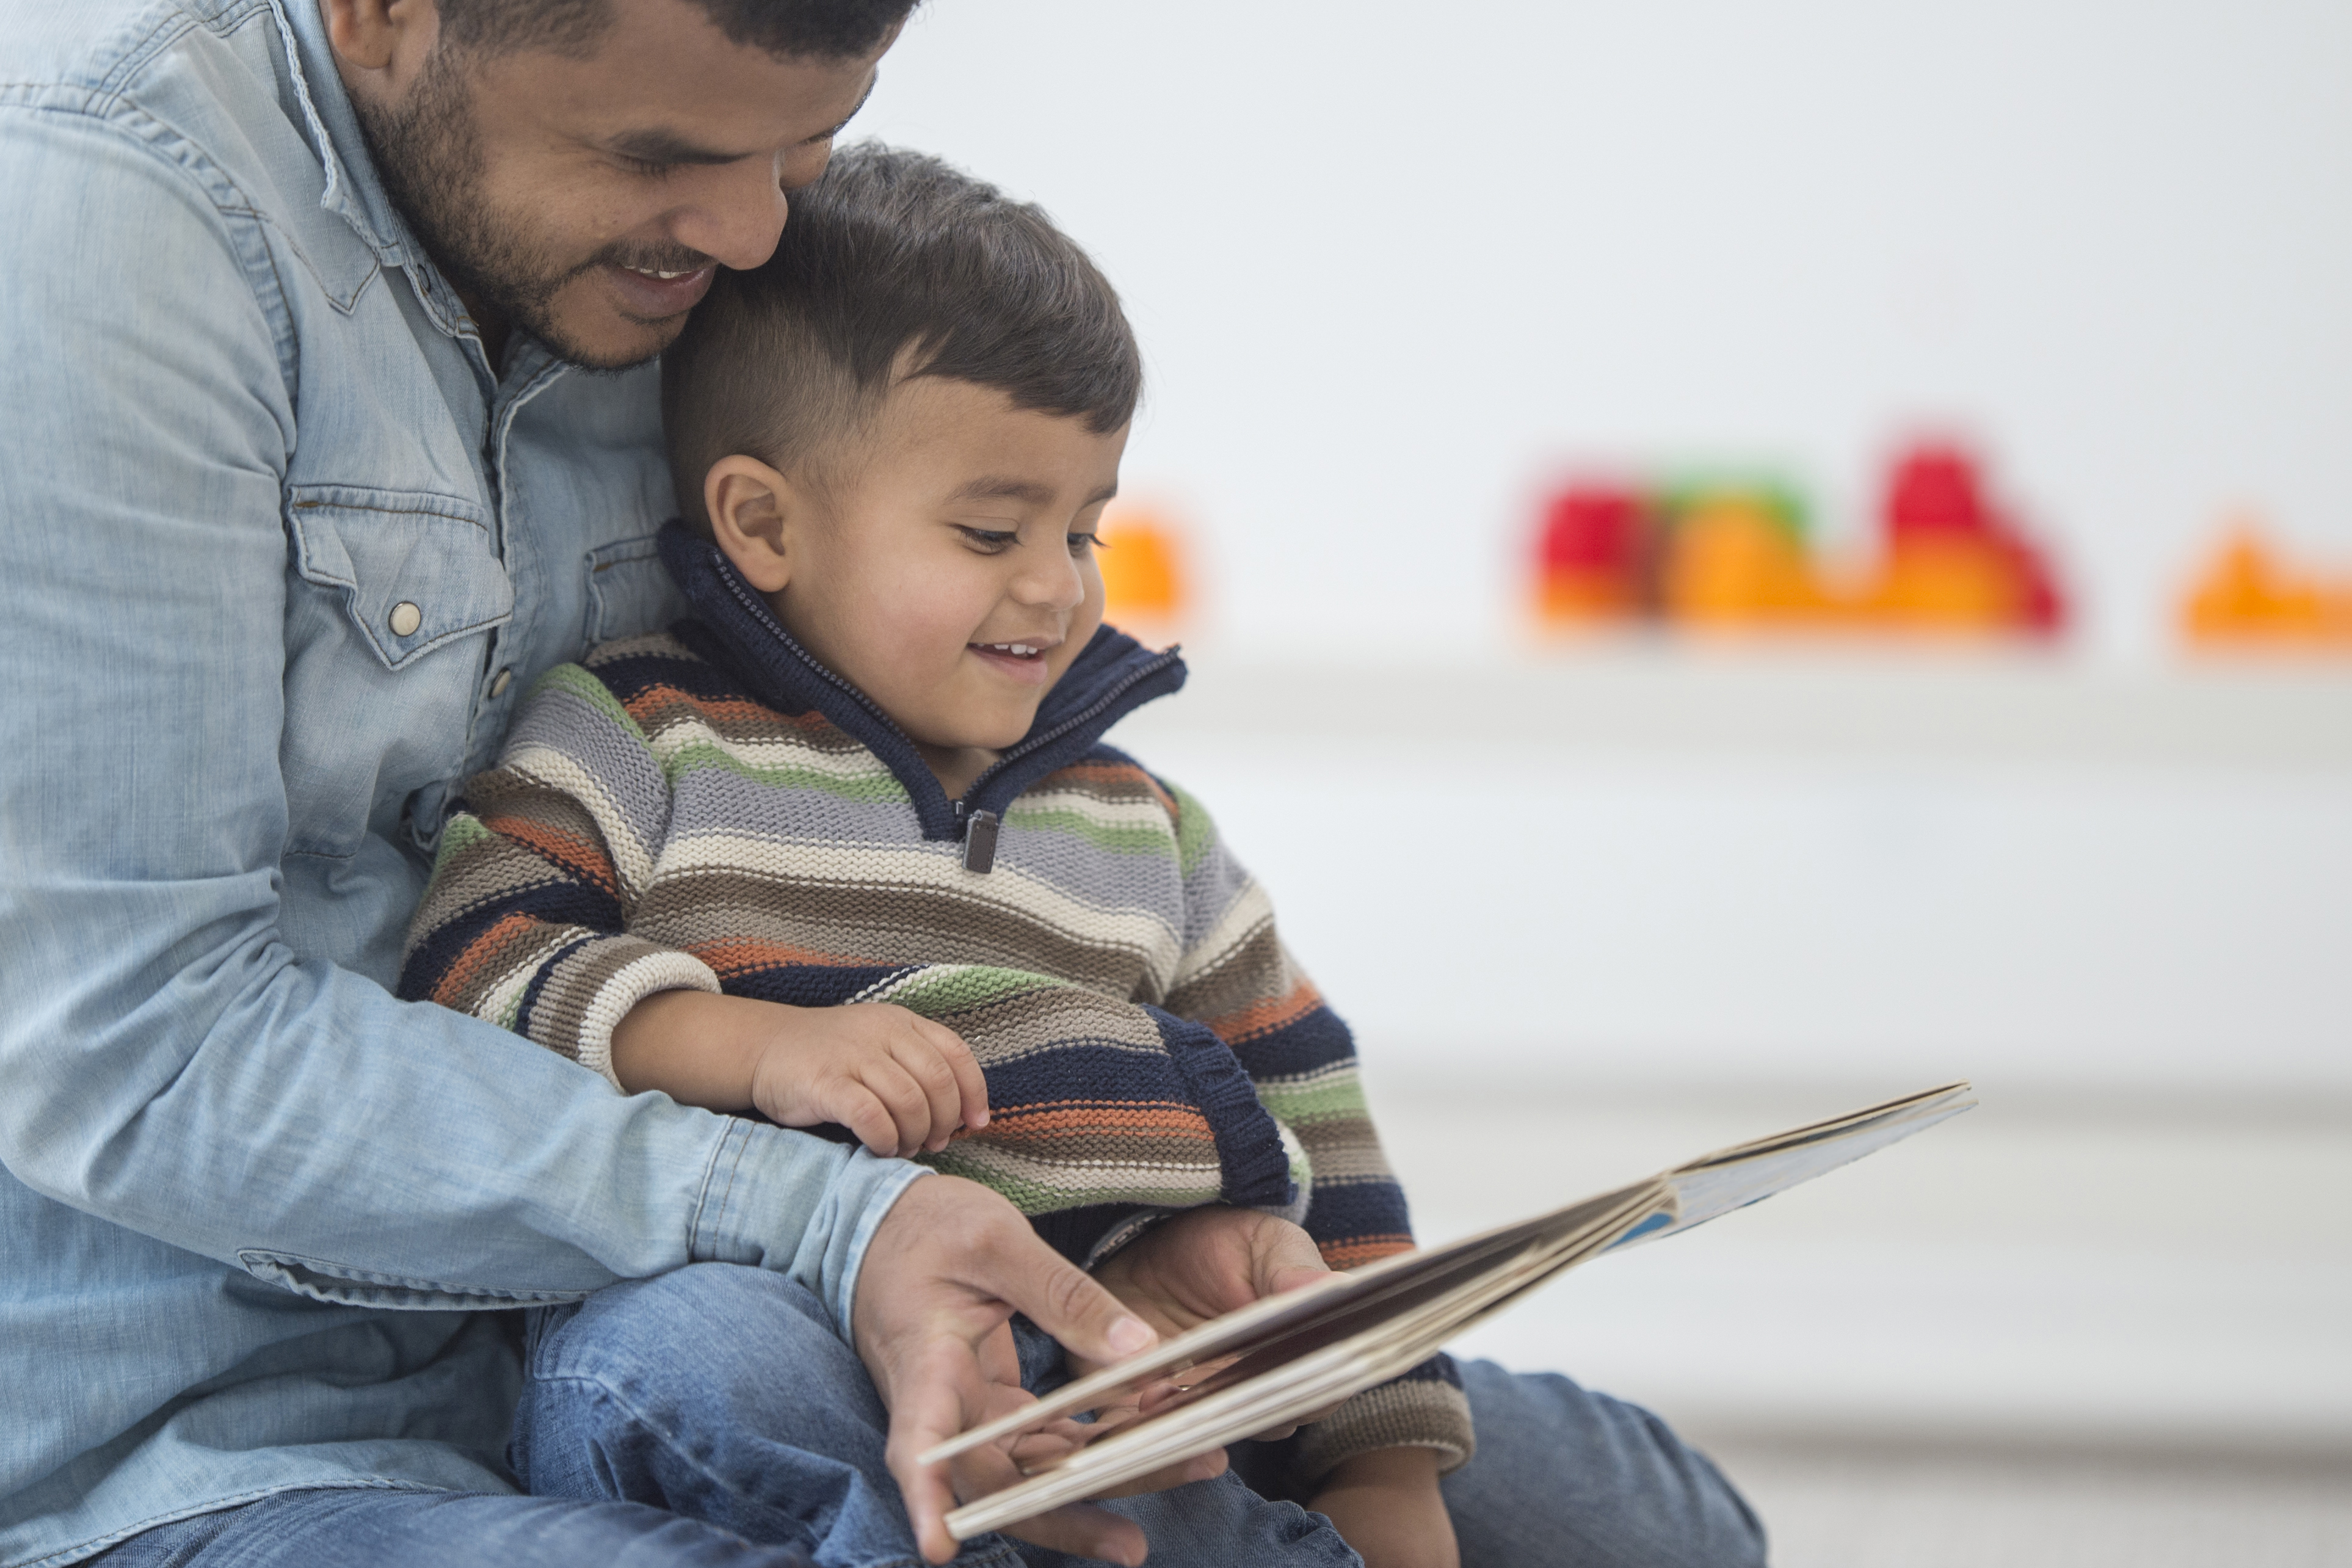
[280, 552]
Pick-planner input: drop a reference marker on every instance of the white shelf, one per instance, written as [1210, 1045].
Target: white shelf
[1890, 700]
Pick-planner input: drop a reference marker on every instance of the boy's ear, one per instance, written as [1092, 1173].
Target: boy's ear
[750, 504]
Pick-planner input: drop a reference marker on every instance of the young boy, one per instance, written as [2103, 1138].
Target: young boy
[847, 850]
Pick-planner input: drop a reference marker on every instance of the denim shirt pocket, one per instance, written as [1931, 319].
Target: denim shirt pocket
[394, 593]
[629, 590]
[417, 571]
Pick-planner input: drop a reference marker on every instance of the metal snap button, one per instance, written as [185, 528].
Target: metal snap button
[500, 681]
[405, 619]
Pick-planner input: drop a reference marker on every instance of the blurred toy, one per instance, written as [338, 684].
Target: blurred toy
[1590, 556]
[1145, 584]
[1736, 556]
[2249, 596]
[1712, 554]
[1953, 561]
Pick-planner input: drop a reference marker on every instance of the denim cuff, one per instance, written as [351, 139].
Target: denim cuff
[789, 1201]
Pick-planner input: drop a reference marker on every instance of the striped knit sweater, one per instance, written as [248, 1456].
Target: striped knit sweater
[710, 807]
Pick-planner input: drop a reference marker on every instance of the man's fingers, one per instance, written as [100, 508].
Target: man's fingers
[1059, 1297]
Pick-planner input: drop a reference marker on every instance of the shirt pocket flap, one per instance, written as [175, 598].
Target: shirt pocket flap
[415, 571]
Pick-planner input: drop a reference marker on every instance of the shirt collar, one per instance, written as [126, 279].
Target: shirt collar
[353, 192]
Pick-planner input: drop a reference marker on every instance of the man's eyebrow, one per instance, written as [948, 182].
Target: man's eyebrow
[659, 144]
[842, 123]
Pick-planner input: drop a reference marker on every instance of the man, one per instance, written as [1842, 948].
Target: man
[327, 426]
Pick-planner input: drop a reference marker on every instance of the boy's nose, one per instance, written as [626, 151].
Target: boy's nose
[1054, 583]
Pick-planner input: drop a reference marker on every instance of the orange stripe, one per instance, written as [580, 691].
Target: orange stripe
[649, 703]
[1184, 1123]
[1265, 1018]
[479, 953]
[1359, 1250]
[582, 857]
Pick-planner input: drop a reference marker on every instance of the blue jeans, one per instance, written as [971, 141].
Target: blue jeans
[712, 1416]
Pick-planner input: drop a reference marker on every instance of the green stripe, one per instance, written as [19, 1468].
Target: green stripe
[943, 989]
[1196, 833]
[1139, 838]
[876, 788]
[1032, 1196]
[1302, 1104]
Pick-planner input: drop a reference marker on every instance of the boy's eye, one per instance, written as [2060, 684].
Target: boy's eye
[990, 540]
[1082, 542]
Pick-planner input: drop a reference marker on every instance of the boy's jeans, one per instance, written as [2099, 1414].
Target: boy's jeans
[722, 1395]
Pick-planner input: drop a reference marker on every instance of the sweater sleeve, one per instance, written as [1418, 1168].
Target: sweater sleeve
[526, 922]
[1238, 980]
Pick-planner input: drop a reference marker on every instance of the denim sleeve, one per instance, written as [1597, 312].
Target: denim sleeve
[171, 1063]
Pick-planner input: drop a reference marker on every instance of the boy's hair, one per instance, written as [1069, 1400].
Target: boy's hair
[892, 261]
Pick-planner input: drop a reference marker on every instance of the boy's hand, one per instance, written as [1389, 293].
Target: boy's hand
[1387, 1506]
[899, 1081]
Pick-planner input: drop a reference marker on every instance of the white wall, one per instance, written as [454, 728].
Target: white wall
[1390, 263]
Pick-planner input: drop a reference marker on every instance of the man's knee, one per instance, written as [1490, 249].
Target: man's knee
[710, 1347]
[1567, 1476]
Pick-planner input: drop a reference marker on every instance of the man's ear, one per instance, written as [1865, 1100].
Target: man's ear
[752, 512]
[388, 37]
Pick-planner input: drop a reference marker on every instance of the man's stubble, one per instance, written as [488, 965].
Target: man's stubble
[428, 153]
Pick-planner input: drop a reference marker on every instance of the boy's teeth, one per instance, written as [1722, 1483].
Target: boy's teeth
[1018, 650]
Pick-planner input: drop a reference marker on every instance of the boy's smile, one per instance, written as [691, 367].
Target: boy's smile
[940, 559]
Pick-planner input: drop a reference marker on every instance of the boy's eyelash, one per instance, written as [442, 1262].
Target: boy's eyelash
[1082, 542]
[991, 539]
[643, 166]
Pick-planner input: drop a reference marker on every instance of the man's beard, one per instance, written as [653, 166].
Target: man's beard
[428, 154]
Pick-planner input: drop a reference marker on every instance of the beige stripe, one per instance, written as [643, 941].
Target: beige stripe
[632, 862]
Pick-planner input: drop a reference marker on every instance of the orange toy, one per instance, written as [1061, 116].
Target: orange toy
[2248, 595]
[1142, 569]
[1954, 562]
[1733, 563]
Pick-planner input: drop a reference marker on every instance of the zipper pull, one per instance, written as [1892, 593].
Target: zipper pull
[979, 840]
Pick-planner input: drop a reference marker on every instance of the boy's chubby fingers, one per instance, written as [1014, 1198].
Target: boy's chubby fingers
[920, 1060]
[972, 1084]
[861, 1110]
[910, 1106]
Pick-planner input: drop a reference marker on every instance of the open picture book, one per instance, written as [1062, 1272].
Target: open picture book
[1289, 1357]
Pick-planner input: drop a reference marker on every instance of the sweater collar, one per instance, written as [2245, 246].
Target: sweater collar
[1113, 676]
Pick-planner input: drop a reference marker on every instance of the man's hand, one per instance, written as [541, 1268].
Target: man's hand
[1387, 1506]
[943, 1275]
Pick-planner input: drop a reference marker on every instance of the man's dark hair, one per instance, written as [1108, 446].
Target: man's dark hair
[821, 29]
[892, 266]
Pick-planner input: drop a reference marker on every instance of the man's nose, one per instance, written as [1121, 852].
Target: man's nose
[737, 214]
